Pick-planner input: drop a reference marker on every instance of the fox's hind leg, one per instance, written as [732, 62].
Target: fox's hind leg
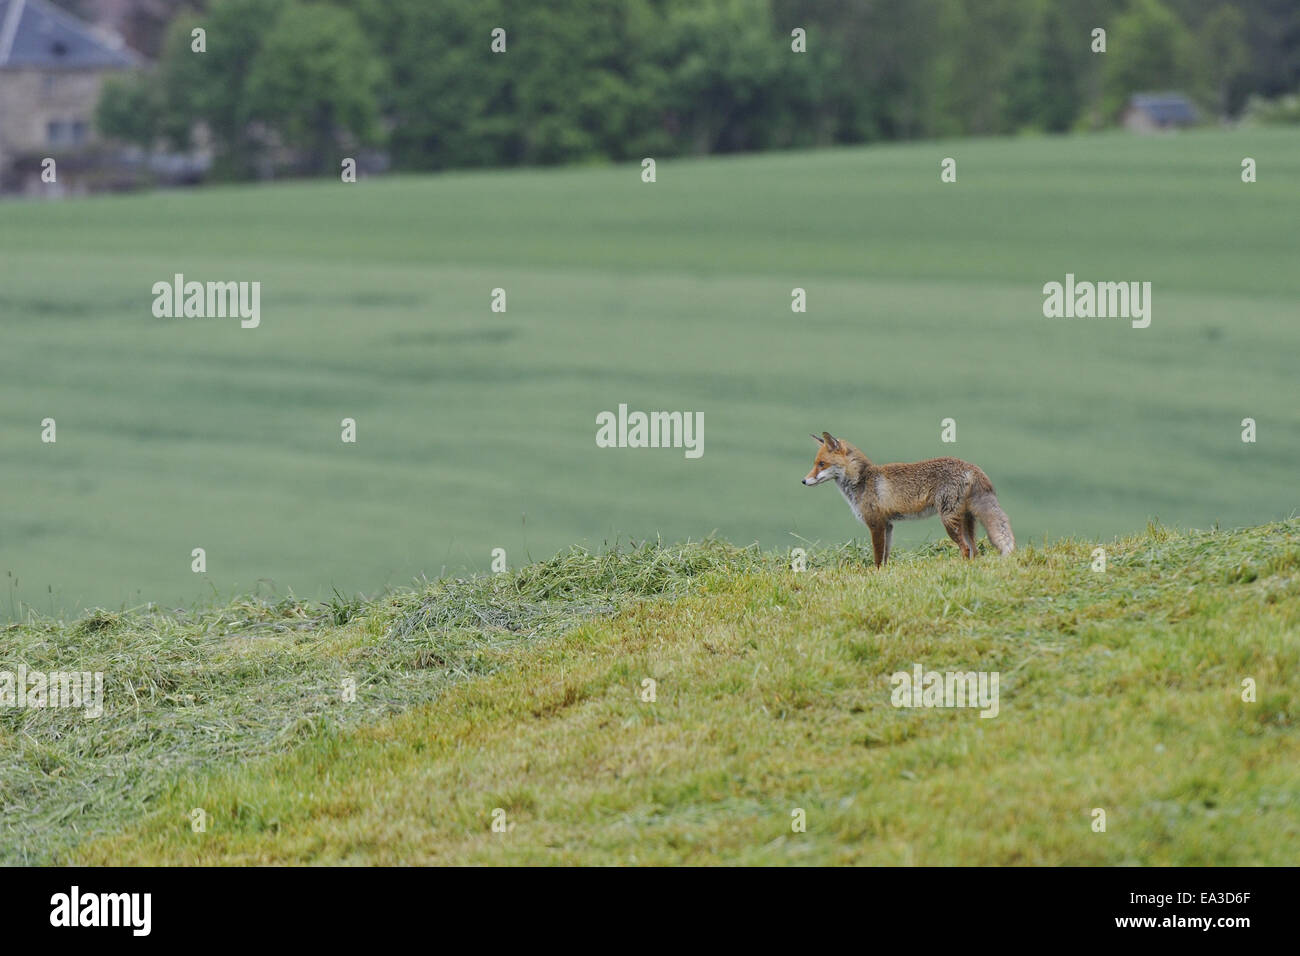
[952, 523]
[968, 531]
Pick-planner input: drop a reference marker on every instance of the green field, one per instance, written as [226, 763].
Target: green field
[525, 694]
[476, 429]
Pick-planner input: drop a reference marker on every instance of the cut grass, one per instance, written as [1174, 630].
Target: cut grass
[187, 691]
[1120, 691]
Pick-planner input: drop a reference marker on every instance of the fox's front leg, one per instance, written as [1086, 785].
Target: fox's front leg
[878, 543]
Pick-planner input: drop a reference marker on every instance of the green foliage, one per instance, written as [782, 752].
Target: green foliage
[600, 80]
[1047, 86]
[585, 79]
[1282, 111]
[741, 94]
[275, 72]
[314, 82]
[208, 88]
[1223, 54]
[130, 109]
[1149, 49]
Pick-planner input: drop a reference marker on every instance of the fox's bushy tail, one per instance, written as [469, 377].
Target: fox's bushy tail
[995, 522]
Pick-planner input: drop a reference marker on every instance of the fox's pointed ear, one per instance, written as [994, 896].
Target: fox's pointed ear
[829, 442]
[816, 439]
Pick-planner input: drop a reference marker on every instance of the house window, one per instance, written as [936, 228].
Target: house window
[47, 83]
[67, 132]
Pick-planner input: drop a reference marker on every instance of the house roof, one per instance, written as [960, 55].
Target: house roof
[35, 33]
[1165, 107]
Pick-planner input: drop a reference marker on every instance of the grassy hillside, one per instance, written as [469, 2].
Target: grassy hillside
[476, 430]
[522, 692]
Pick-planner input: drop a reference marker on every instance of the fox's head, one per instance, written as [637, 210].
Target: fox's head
[832, 456]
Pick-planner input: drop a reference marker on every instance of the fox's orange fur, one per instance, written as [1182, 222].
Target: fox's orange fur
[959, 492]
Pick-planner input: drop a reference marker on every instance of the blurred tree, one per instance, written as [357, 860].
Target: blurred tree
[599, 80]
[582, 85]
[1046, 87]
[1223, 53]
[204, 92]
[130, 109]
[981, 46]
[730, 80]
[449, 100]
[1149, 48]
[272, 72]
[313, 82]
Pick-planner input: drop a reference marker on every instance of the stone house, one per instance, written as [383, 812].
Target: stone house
[52, 66]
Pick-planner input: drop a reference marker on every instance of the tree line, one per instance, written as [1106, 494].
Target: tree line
[296, 83]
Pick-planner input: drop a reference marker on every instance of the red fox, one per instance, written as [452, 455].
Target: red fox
[881, 494]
